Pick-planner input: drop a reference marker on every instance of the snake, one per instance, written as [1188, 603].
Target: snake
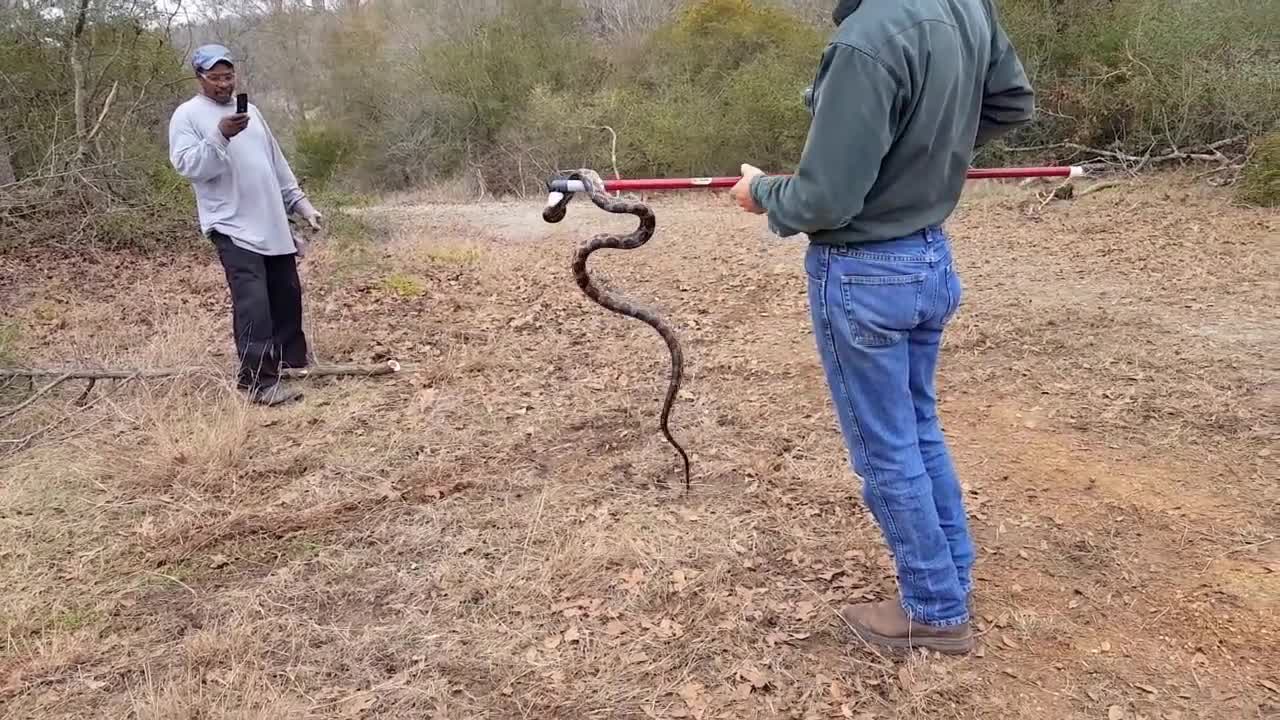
[605, 298]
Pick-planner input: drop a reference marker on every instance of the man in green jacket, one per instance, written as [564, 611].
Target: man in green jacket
[905, 91]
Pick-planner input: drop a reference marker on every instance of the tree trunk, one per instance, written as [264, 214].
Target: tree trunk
[77, 76]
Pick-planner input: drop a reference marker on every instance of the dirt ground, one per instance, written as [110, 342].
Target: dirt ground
[487, 535]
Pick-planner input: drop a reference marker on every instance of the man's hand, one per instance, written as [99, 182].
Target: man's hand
[231, 125]
[741, 191]
[308, 213]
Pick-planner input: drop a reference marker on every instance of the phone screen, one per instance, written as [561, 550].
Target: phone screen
[242, 103]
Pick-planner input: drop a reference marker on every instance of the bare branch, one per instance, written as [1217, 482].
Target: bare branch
[613, 147]
[35, 396]
[106, 108]
[63, 374]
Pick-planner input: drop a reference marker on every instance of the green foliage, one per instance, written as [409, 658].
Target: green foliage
[108, 182]
[1133, 73]
[1261, 182]
[525, 90]
[319, 151]
[528, 90]
[403, 285]
[493, 69]
[720, 85]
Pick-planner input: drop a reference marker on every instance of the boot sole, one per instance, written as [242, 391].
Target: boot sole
[944, 645]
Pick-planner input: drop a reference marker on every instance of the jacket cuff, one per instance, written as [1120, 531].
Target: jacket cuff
[304, 208]
[758, 189]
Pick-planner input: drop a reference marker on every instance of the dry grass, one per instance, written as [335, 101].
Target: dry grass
[486, 535]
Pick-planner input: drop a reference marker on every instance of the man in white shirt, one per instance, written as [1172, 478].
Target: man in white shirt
[244, 192]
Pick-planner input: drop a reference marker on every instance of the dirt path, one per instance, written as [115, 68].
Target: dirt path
[484, 536]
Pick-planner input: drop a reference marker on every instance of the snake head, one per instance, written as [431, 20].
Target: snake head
[557, 206]
[560, 190]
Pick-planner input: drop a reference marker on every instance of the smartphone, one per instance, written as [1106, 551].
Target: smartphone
[242, 103]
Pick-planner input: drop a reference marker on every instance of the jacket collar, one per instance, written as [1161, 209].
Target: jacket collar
[844, 8]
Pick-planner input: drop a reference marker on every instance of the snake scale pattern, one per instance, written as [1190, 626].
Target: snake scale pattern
[615, 303]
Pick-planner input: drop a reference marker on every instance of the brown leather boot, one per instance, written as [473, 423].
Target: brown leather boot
[885, 624]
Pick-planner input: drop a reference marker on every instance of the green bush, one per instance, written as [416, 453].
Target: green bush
[722, 83]
[1261, 182]
[320, 152]
[1138, 73]
[529, 91]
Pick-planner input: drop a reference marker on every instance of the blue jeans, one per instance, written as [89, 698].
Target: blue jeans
[878, 313]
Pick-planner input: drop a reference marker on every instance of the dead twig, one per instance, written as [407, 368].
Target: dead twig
[613, 147]
[106, 108]
[1207, 153]
[35, 396]
[88, 388]
[391, 366]
[21, 443]
[1099, 186]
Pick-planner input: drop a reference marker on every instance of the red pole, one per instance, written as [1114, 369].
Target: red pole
[725, 182]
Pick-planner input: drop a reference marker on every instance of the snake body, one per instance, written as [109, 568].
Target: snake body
[615, 303]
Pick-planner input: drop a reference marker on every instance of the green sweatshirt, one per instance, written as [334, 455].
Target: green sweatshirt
[905, 91]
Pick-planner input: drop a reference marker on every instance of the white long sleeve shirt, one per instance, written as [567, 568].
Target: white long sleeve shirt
[244, 187]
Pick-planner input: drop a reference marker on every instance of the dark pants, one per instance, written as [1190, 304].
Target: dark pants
[266, 306]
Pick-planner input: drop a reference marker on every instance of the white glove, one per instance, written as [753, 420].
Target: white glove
[304, 208]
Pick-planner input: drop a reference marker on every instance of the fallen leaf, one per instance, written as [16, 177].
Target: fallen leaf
[218, 561]
[1008, 642]
[615, 628]
[838, 693]
[634, 579]
[805, 610]
[571, 635]
[694, 697]
[755, 676]
[551, 642]
[1146, 688]
[94, 684]
[679, 580]
[1115, 712]
[355, 707]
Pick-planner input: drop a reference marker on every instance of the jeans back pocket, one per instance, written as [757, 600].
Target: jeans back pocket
[882, 309]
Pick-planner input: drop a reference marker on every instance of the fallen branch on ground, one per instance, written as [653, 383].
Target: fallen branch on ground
[1205, 153]
[35, 396]
[64, 374]
[93, 375]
